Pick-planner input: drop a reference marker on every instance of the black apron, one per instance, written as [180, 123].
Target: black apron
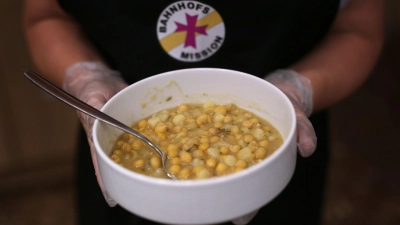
[137, 38]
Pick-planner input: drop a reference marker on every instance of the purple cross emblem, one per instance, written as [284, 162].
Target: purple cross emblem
[191, 30]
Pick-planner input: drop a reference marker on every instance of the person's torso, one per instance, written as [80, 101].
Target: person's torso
[141, 38]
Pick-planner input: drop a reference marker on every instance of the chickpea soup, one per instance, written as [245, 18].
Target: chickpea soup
[201, 141]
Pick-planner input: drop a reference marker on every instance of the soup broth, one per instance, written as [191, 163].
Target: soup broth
[201, 141]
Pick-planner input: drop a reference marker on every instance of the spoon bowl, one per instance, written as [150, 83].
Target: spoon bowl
[89, 110]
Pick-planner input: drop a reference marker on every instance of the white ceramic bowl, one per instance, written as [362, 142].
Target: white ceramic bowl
[206, 201]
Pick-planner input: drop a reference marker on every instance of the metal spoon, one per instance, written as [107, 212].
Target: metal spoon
[85, 108]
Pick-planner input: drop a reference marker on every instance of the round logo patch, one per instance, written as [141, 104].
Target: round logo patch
[190, 31]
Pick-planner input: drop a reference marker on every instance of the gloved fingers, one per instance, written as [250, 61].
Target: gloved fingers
[94, 83]
[106, 196]
[96, 94]
[296, 87]
[306, 137]
[96, 99]
[243, 220]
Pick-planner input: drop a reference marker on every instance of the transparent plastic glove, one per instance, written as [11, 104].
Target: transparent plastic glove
[93, 83]
[298, 89]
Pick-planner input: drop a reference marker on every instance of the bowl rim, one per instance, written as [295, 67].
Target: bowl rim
[202, 182]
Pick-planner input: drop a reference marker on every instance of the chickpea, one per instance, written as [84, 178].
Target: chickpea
[254, 120]
[204, 127]
[190, 143]
[142, 124]
[211, 162]
[162, 136]
[247, 124]
[191, 126]
[155, 162]
[126, 147]
[214, 139]
[139, 164]
[235, 148]
[249, 138]
[186, 157]
[127, 136]
[224, 150]
[253, 145]
[117, 152]
[183, 140]
[241, 163]
[231, 139]
[184, 173]
[116, 158]
[175, 161]
[172, 147]
[221, 168]
[213, 130]
[208, 105]
[264, 143]
[198, 153]
[119, 143]
[160, 128]
[260, 153]
[228, 119]
[183, 107]
[248, 115]
[238, 137]
[204, 140]
[136, 144]
[242, 143]
[197, 169]
[267, 129]
[177, 129]
[172, 153]
[182, 134]
[235, 129]
[218, 125]
[174, 169]
[169, 125]
[238, 169]
[221, 109]
[203, 118]
[204, 146]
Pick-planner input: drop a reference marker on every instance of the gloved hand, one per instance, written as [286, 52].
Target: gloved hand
[93, 83]
[298, 89]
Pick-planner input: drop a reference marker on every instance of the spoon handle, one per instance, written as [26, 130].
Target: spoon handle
[82, 106]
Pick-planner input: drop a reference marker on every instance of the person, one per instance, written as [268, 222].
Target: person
[316, 52]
